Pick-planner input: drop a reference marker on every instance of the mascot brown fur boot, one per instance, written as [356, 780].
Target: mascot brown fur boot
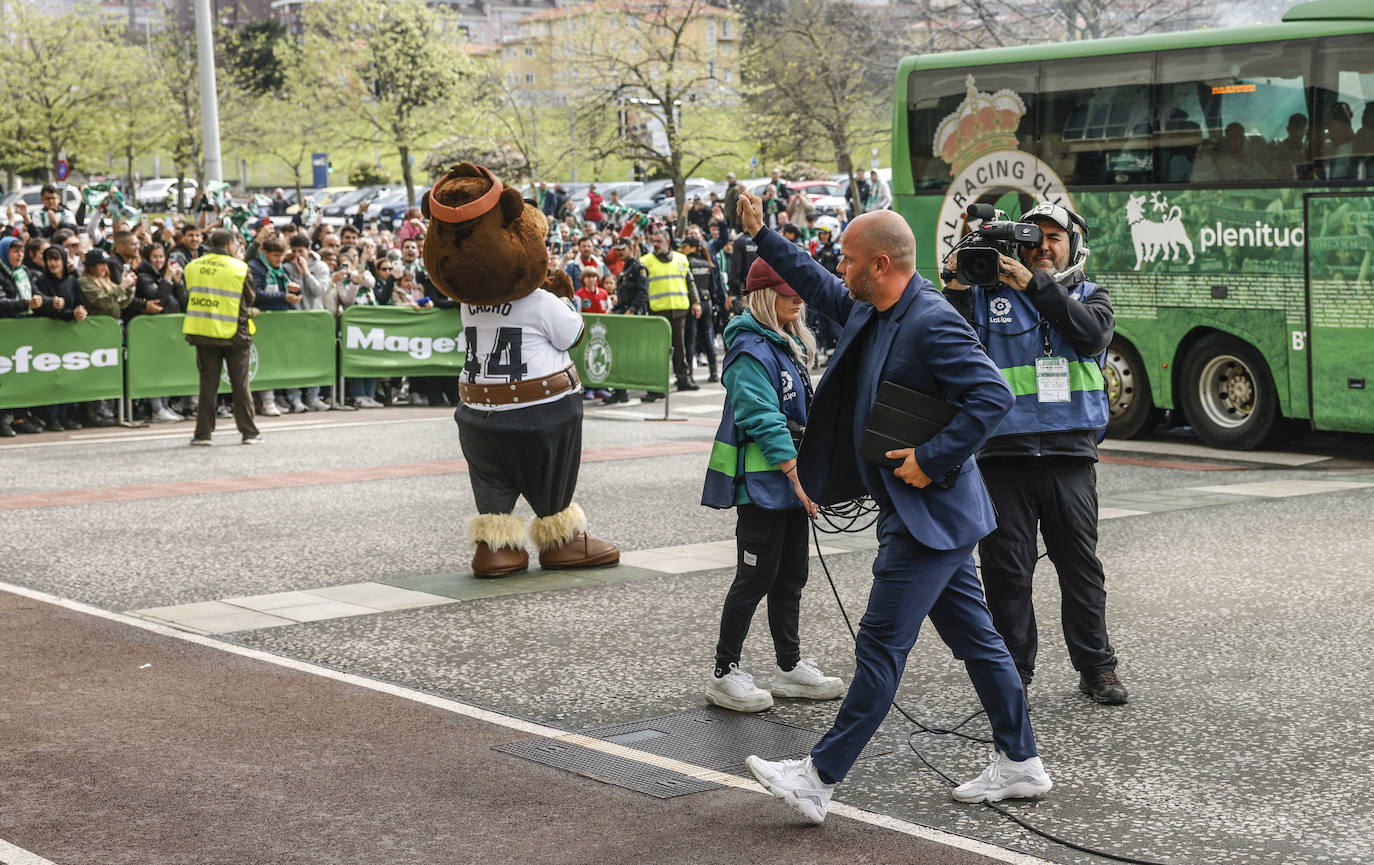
[520, 417]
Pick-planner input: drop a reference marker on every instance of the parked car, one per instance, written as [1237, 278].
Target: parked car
[388, 211]
[826, 195]
[651, 194]
[32, 197]
[160, 193]
[345, 205]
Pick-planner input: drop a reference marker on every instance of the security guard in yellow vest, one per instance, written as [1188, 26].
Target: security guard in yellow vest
[219, 324]
[672, 293]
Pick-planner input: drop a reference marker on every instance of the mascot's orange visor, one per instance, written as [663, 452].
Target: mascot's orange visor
[469, 211]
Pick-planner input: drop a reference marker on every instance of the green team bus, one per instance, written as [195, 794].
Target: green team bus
[1227, 179]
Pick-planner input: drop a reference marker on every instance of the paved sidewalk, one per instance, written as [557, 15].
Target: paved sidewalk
[126, 746]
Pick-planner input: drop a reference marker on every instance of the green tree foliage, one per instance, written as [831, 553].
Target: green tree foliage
[819, 78]
[137, 114]
[54, 72]
[287, 123]
[640, 71]
[505, 160]
[392, 67]
[368, 174]
[252, 56]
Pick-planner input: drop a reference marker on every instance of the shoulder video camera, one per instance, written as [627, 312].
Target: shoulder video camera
[997, 235]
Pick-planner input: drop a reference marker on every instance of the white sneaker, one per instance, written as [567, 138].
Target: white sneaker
[794, 782]
[165, 415]
[298, 407]
[317, 404]
[736, 691]
[1006, 779]
[807, 682]
[270, 409]
[366, 402]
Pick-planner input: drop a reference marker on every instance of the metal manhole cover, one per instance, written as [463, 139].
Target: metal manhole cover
[709, 737]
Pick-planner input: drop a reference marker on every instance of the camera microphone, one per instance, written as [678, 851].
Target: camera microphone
[980, 210]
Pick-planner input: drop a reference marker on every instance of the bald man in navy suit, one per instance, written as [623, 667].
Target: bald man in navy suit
[896, 326]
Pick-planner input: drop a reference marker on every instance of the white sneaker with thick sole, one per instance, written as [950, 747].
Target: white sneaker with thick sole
[806, 681]
[1006, 779]
[317, 405]
[794, 782]
[270, 409]
[737, 692]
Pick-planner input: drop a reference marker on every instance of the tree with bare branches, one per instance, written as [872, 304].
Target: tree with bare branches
[819, 75]
[391, 68]
[647, 84]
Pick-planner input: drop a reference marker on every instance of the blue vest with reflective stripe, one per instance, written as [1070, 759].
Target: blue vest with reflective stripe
[734, 459]
[1009, 326]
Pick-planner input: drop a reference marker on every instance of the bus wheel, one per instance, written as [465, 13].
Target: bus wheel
[1228, 393]
[1128, 392]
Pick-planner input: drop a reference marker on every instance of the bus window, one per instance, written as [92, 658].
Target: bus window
[1233, 113]
[945, 128]
[1095, 120]
[1344, 138]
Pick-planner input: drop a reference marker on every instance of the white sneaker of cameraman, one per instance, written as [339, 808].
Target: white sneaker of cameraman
[795, 782]
[737, 692]
[806, 681]
[1006, 779]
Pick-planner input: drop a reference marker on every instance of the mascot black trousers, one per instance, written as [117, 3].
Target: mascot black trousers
[533, 452]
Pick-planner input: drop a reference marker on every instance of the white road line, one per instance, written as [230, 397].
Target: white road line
[12, 855]
[518, 724]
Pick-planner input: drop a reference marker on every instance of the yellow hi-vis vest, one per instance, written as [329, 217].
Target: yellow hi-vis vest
[215, 285]
[668, 282]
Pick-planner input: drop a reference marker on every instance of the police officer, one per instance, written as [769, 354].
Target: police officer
[1046, 326]
[672, 295]
[219, 311]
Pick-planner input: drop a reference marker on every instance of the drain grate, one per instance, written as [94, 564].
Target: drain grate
[607, 768]
[709, 737]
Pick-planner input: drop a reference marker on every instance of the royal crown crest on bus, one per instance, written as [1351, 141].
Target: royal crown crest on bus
[983, 123]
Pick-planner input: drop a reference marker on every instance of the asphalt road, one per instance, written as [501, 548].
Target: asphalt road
[276, 654]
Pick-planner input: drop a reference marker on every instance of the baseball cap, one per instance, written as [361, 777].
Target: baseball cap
[1053, 212]
[97, 256]
[763, 276]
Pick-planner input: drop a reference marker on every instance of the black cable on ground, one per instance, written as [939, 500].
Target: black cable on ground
[849, 514]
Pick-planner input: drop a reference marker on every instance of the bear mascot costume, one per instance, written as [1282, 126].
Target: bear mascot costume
[520, 411]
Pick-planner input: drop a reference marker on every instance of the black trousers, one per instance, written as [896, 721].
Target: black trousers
[678, 319]
[210, 360]
[771, 560]
[533, 452]
[704, 340]
[1060, 495]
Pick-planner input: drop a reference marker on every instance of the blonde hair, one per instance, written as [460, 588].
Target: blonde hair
[762, 306]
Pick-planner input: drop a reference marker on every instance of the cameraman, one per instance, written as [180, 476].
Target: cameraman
[1045, 325]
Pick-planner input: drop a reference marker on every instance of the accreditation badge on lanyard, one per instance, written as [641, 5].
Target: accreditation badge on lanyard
[1051, 373]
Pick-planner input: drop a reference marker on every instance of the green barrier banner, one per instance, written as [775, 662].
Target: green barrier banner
[625, 351]
[44, 361]
[389, 341]
[290, 349]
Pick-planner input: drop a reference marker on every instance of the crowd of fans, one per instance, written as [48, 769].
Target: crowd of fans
[52, 267]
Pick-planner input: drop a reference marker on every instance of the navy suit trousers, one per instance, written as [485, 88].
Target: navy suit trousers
[910, 582]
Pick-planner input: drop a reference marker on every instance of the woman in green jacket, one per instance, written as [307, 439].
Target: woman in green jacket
[754, 470]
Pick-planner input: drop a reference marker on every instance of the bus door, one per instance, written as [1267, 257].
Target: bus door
[1340, 310]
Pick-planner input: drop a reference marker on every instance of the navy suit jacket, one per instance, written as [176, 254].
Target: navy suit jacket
[927, 347]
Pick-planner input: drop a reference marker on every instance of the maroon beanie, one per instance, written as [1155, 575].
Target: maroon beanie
[763, 276]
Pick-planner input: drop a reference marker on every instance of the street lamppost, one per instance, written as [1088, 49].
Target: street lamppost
[209, 99]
